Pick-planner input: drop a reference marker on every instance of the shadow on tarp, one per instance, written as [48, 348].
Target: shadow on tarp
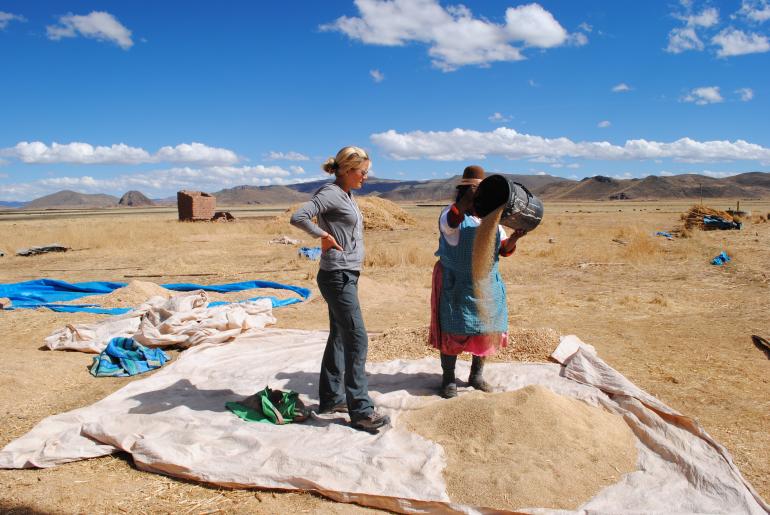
[417, 384]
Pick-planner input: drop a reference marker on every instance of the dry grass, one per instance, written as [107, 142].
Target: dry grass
[656, 310]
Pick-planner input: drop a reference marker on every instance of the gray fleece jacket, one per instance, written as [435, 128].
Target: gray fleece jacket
[338, 214]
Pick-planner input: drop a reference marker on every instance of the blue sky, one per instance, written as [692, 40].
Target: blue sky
[159, 96]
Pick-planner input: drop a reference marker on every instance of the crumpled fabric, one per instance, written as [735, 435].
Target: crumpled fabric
[125, 357]
[184, 321]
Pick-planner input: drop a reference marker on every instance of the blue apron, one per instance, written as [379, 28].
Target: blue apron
[458, 305]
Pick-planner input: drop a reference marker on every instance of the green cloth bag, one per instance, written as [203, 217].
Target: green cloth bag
[270, 406]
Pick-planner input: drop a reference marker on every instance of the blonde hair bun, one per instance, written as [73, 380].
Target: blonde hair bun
[330, 166]
[346, 159]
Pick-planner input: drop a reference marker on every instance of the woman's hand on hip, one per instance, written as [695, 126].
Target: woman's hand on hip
[328, 242]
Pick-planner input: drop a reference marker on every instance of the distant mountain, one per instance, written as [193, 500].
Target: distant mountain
[653, 187]
[71, 199]
[241, 195]
[12, 205]
[547, 187]
[135, 198]
[433, 190]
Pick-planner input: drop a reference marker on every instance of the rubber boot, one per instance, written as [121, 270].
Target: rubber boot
[448, 385]
[476, 379]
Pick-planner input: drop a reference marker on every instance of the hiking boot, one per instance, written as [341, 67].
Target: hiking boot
[340, 407]
[448, 385]
[448, 390]
[476, 379]
[371, 423]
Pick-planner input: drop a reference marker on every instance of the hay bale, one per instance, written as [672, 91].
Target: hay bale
[694, 217]
[379, 214]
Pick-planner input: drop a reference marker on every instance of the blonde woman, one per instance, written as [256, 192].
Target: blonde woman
[343, 386]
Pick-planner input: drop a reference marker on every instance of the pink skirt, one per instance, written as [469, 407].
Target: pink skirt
[454, 344]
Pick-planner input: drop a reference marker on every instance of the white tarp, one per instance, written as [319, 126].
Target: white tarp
[175, 422]
[182, 321]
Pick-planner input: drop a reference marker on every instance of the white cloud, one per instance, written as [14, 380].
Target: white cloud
[454, 36]
[37, 152]
[286, 156]
[377, 75]
[603, 124]
[707, 18]
[704, 95]
[577, 39]
[664, 173]
[6, 18]
[541, 173]
[297, 169]
[532, 83]
[585, 27]
[157, 182]
[736, 42]
[500, 118]
[683, 39]
[463, 144]
[755, 10]
[196, 153]
[534, 26]
[573, 165]
[718, 175]
[97, 25]
[620, 88]
[746, 94]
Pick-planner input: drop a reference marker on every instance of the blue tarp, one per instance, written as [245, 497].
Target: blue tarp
[126, 357]
[717, 222]
[721, 259]
[47, 293]
[313, 253]
[665, 234]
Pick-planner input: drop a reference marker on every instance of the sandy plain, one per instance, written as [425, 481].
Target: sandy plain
[655, 309]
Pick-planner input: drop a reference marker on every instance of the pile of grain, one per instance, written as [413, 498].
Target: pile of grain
[379, 214]
[129, 296]
[530, 447]
[524, 345]
[694, 217]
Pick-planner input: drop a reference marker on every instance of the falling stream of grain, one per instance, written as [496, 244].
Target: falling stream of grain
[483, 259]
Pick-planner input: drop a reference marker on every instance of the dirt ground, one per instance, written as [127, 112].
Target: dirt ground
[655, 309]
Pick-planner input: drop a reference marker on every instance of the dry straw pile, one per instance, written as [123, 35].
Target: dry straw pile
[379, 214]
[694, 217]
[529, 447]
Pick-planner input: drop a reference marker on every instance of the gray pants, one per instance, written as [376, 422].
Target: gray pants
[343, 374]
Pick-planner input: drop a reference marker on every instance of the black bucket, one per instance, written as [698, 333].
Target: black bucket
[522, 210]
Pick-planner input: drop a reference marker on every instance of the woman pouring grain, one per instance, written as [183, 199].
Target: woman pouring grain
[469, 312]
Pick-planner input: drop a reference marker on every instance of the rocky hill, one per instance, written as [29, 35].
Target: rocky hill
[653, 187]
[135, 198]
[547, 187]
[71, 199]
[244, 195]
